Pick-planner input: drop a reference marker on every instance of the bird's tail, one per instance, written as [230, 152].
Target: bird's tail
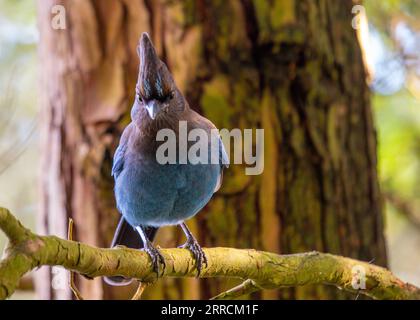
[127, 236]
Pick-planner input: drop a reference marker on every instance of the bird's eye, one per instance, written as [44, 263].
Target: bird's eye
[170, 96]
[139, 98]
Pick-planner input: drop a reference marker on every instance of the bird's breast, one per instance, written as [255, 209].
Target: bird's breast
[149, 193]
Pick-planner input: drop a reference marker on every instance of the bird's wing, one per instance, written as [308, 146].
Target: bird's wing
[223, 157]
[224, 163]
[118, 162]
[201, 122]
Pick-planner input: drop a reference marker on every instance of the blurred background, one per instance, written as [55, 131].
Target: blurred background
[19, 127]
[391, 50]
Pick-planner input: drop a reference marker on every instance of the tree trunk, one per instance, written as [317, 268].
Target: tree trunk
[293, 68]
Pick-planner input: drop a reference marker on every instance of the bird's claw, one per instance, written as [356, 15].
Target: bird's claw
[156, 257]
[198, 253]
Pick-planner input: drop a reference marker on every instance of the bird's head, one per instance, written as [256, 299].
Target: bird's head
[156, 91]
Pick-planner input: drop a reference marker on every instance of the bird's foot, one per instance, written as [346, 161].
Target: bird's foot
[198, 253]
[156, 257]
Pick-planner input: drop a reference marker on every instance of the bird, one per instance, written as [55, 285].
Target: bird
[150, 194]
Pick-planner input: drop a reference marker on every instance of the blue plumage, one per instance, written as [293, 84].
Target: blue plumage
[152, 194]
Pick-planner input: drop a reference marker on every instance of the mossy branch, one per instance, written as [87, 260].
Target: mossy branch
[260, 270]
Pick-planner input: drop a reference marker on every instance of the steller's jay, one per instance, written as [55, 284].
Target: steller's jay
[149, 194]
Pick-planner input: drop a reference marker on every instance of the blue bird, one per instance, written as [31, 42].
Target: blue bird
[149, 194]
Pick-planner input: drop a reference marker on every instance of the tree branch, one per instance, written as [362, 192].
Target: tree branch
[246, 287]
[264, 270]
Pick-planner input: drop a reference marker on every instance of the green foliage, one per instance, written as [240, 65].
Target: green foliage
[380, 11]
[398, 123]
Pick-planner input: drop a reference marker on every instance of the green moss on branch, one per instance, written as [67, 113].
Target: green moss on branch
[261, 270]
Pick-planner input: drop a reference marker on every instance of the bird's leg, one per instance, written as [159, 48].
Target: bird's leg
[154, 253]
[192, 245]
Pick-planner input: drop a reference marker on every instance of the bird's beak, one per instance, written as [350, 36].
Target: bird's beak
[152, 108]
